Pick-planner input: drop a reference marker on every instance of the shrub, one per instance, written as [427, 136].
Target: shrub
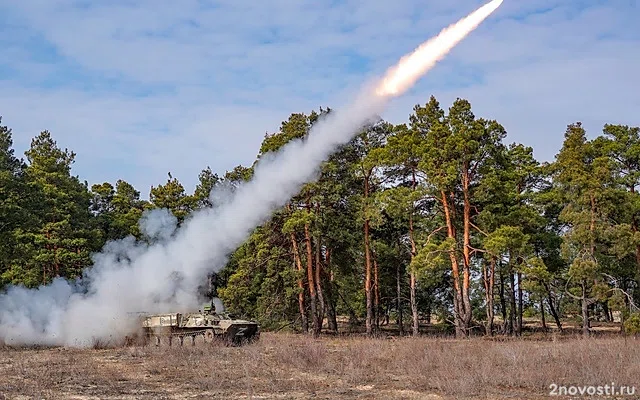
[632, 324]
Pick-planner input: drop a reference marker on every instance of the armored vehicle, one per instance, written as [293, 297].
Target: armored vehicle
[206, 325]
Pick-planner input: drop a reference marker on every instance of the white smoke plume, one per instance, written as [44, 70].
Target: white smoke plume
[129, 276]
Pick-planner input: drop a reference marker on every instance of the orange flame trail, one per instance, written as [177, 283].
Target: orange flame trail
[411, 67]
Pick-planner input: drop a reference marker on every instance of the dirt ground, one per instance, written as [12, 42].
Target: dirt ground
[284, 366]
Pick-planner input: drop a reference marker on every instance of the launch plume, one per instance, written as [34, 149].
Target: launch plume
[414, 65]
[130, 276]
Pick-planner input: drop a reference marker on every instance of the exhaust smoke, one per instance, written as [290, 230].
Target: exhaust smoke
[129, 276]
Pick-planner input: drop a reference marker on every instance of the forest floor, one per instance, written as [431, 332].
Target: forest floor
[284, 366]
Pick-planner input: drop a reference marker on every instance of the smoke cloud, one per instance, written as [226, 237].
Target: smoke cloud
[129, 276]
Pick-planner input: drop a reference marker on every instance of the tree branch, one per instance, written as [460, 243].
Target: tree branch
[433, 233]
[478, 229]
[627, 295]
[566, 286]
[474, 250]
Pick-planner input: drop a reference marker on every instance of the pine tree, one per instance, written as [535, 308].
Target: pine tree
[173, 197]
[65, 236]
[117, 210]
[16, 206]
[582, 176]
[207, 181]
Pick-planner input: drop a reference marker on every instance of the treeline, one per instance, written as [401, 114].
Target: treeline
[434, 220]
[51, 222]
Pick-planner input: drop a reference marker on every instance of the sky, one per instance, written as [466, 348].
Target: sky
[141, 88]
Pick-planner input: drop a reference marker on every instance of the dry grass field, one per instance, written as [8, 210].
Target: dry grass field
[282, 366]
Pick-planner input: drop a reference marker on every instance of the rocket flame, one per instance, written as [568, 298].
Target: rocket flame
[412, 66]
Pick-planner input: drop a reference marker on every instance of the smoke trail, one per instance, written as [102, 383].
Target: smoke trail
[129, 276]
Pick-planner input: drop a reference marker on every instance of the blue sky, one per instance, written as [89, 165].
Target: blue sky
[141, 88]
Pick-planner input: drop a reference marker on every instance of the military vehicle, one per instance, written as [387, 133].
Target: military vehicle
[206, 323]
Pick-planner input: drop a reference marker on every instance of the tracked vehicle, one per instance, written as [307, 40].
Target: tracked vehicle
[206, 326]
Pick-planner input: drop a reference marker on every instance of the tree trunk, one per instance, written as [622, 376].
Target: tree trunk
[311, 280]
[332, 321]
[353, 318]
[552, 307]
[585, 310]
[554, 312]
[318, 279]
[458, 307]
[607, 314]
[503, 304]
[466, 250]
[512, 298]
[330, 303]
[367, 263]
[585, 304]
[544, 322]
[399, 320]
[415, 323]
[489, 281]
[376, 291]
[367, 280]
[387, 311]
[610, 315]
[298, 264]
[520, 304]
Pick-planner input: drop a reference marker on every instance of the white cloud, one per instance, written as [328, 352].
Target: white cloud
[140, 90]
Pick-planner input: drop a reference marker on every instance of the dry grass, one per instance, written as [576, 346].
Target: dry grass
[294, 366]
